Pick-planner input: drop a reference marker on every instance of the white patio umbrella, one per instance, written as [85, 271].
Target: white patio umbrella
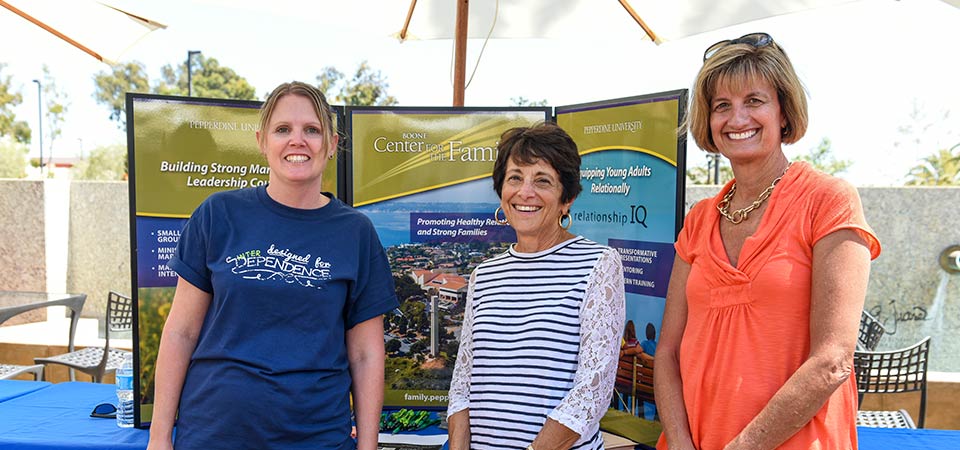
[652, 20]
[98, 29]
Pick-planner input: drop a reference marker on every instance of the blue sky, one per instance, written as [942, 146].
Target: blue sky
[868, 66]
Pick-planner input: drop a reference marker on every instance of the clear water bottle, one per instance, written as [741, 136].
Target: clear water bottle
[125, 392]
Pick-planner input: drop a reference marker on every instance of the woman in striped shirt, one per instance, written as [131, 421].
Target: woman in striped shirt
[541, 330]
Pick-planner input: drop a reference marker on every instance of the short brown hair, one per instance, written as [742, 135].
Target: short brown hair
[740, 63]
[545, 141]
[319, 101]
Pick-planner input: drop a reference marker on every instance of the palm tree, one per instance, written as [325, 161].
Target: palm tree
[939, 169]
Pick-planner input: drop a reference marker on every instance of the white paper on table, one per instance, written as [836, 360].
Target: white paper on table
[415, 439]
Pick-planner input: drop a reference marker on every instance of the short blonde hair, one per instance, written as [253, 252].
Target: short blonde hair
[735, 65]
[319, 101]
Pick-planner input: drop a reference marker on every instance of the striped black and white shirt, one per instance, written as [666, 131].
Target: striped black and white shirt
[540, 338]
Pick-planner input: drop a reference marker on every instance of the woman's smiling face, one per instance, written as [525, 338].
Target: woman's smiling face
[530, 198]
[746, 119]
[294, 142]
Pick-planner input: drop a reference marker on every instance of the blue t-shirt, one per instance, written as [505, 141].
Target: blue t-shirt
[649, 347]
[270, 369]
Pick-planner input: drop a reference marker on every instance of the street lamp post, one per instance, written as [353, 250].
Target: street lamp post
[190, 54]
[716, 168]
[40, 120]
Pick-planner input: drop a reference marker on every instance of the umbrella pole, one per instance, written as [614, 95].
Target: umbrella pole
[636, 17]
[460, 52]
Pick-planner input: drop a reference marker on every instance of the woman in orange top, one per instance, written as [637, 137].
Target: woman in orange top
[762, 312]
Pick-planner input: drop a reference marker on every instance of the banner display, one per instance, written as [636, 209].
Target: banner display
[423, 178]
[632, 173]
[422, 175]
[180, 150]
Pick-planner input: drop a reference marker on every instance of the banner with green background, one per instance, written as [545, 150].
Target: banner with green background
[633, 173]
[423, 177]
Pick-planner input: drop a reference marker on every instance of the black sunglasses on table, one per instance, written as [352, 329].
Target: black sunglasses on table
[104, 411]
[757, 40]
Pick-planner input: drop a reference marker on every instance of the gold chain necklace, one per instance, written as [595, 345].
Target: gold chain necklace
[741, 214]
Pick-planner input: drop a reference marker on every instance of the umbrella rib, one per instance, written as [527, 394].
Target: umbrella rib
[51, 30]
[153, 25]
[406, 23]
[636, 17]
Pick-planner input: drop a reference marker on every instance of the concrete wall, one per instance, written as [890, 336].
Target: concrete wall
[98, 256]
[22, 237]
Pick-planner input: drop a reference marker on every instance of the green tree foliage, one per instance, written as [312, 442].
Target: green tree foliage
[392, 346]
[406, 287]
[450, 349]
[704, 174]
[13, 159]
[416, 314]
[367, 87]
[10, 98]
[154, 307]
[112, 87]
[821, 158]
[939, 169]
[209, 78]
[56, 102]
[523, 101]
[104, 163]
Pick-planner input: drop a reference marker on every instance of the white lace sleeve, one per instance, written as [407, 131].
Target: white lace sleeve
[601, 323]
[459, 396]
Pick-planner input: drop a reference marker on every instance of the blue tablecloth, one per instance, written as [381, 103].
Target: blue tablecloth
[40, 415]
[901, 439]
[57, 416]
[11, 389]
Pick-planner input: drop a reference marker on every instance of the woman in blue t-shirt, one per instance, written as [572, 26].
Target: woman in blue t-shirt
[277, 315]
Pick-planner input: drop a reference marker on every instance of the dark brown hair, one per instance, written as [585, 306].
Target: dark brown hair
[547, 142]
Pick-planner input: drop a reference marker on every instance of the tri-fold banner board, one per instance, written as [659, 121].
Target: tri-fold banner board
[422, 175]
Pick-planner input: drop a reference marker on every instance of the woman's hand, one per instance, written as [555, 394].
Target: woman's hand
[555, 436]
[841, 267]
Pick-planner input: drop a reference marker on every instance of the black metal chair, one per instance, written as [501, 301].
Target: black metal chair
[890, 372]
[97, 361]
[871, 330]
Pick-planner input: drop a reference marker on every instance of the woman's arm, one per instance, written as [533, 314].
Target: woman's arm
[179, 339]
[630, 350]
[841, 268]
[366, 354]
[667, 383]
[602, 316]
[458, 410]
[458, 430]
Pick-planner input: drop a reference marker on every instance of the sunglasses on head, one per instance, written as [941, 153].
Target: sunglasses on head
[104, 411]
[756, 40]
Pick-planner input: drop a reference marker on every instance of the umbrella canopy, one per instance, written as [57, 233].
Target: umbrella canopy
[655, 20]
[98, 29]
